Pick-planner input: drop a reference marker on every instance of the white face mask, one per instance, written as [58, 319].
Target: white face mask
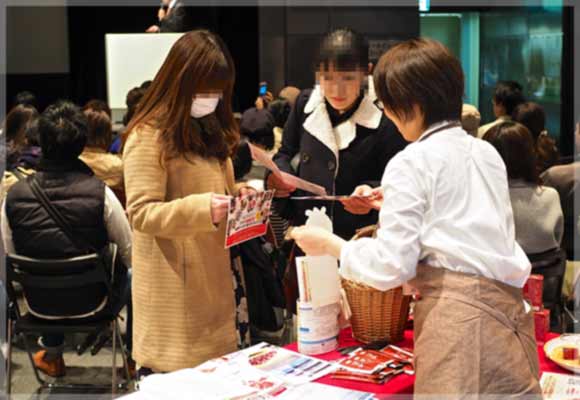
[203, 106]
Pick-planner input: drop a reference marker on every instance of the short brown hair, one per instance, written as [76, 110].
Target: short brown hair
[98, 105]
[99, 129]
[420, 72]
[514, 143]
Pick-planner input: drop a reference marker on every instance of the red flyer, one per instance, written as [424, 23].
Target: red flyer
[248, 217]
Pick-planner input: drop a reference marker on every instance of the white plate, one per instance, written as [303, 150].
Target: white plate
[569, 340]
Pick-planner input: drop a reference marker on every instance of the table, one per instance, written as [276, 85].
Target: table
[403, 384]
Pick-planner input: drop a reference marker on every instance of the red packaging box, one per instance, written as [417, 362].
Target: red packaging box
[533, 290]
[542, 324]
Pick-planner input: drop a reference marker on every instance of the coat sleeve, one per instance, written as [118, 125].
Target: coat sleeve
[292, 135]
[148, 209]
[389, 143]
[390, 259]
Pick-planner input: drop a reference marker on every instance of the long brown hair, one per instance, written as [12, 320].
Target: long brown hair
[16, 123]
[515, 144]
[533, 117]
[199, 61]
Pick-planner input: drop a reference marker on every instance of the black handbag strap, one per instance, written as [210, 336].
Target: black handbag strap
[18, 174]
[57, 217]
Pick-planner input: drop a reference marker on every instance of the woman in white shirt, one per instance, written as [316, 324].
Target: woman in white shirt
[446, 225]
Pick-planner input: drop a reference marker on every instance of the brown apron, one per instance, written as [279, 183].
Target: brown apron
[473, 338]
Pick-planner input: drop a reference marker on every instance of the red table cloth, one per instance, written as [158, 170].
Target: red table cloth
[402, 384]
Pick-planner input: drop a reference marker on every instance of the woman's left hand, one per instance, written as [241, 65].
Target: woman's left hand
[316, 241]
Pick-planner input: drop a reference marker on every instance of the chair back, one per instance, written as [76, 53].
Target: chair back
[76, 287]
[552, 266]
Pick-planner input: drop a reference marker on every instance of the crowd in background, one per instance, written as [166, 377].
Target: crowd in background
[103, 172]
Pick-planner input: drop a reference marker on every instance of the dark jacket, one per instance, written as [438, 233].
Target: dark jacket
[566, 180]
[80, 198]
[177, 19]
[75, 193]
[363, 161]
[30, 157]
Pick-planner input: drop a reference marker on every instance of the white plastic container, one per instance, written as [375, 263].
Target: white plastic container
[317, 328]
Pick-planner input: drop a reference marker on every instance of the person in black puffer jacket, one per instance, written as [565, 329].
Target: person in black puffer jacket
[90, 208]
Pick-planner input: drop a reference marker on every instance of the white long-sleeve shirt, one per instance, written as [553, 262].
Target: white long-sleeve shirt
[116, 223]
[446, 203]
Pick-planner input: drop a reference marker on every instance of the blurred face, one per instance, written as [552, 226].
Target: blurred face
[205, 103]
[340, 88]
[410, 128]
[498, 109]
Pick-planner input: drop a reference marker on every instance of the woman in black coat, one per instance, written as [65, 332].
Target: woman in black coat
[336, 137]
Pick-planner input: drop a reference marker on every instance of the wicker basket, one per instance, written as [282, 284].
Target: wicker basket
[376, 315]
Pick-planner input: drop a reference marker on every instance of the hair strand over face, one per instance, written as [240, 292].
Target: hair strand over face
[198, 62]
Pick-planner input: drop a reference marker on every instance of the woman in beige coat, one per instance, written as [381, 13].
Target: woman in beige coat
[179, 180]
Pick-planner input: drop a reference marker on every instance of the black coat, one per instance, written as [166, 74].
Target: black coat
[362, 162]
[177, 20]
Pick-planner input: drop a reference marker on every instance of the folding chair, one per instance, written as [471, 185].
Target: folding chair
[50, 288]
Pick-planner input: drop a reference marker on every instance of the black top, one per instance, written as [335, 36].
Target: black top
[76, 193]
[362, 162]
[176, 20]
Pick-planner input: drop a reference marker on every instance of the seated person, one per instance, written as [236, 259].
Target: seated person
[507, 96]
[538, 218]
[107, 167]
[14, 131]
[17, 144]
[31, 152]
[565, 179]
[89, 206]
[132, 101]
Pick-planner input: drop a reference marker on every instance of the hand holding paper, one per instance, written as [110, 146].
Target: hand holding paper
[363, 200]
[281, 180]
[248, 216]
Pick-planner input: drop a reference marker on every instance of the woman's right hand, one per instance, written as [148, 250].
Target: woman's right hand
[364, 199]
[281, 187]
[219, 207]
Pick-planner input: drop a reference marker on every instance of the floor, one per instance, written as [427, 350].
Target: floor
[95, 369]
[83, 369]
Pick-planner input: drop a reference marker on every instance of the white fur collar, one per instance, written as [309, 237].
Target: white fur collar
[318, 122]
